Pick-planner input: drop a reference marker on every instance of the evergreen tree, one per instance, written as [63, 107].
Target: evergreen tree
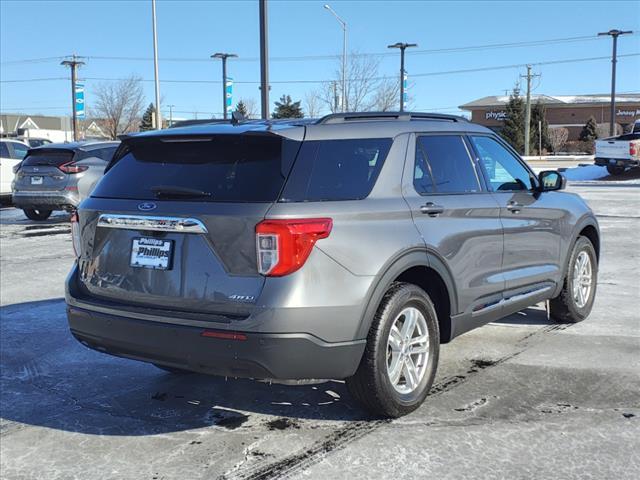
[286, 108]
[147, 118]
[590, 131]
[539, 114]
[242, 109]
[513, 128]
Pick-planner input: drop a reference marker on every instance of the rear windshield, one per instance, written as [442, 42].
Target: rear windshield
[336, 169]
[52, 158]
[228, 168]
[105, 153]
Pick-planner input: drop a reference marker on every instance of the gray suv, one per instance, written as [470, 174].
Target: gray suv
[349, 247]
[58, 176]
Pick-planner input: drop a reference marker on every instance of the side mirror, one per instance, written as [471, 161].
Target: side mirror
[551, 180]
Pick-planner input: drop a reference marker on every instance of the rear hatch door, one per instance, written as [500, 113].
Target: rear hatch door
[171, 225]
[39, 171]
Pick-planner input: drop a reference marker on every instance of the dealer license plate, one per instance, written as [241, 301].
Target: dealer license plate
[151, 253]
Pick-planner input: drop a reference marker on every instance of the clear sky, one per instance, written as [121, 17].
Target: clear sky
[190, 31]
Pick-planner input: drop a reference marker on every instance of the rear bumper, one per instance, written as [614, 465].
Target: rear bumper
[256, 355]
[620, 162]
[56, 199]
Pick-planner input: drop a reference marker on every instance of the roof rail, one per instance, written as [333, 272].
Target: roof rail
[400, 116]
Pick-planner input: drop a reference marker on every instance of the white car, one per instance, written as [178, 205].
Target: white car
[11, 154]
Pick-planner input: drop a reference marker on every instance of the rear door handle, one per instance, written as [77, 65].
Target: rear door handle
[514, 207]
[431, 209]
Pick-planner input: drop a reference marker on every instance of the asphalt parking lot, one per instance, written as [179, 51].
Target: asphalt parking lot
[520, 398]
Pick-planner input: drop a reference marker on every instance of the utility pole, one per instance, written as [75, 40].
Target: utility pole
[264, 60]
[170, 114]
[402, 47]
[613, 34]
[73, 64]
[155, 65]
[345, 105]
[223, 57]
[527, 114]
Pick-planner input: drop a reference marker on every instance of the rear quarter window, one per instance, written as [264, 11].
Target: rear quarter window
[328, 170]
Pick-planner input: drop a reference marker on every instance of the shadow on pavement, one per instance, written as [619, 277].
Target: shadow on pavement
[14, 216]
[528, 316]
[48, 379]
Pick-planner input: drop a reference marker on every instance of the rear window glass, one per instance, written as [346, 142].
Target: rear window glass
[228, 168]
[48, 157]
[336, 169]
[105, 153]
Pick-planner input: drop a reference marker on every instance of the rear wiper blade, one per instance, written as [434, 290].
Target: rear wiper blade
[168, 191]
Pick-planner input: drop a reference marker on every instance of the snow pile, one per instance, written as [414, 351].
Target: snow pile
[589, 172]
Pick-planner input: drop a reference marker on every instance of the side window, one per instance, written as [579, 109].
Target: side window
[336, 169]
[4, 150]
[504, 171]
[19, 150]
[443, 165]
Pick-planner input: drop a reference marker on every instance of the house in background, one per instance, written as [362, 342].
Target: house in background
[56, 129]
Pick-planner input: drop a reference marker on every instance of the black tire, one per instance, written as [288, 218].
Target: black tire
[371, 385]
[615, 170]
[564, 308]
[175, 371]
[37, 213]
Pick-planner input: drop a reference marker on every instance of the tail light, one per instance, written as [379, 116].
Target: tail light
[75, 234]
[633, 151]
[284, 245]
[71, 167]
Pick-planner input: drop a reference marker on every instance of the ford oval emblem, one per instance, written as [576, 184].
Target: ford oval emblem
[146, 206]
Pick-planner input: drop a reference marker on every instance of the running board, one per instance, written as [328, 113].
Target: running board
[510, 301]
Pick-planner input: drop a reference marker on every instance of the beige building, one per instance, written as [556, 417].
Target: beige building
[569, 111]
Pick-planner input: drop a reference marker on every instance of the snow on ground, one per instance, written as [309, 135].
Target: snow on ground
[587, 172]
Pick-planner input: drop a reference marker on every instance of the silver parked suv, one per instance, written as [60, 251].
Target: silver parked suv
[58, 176]
[347, 248]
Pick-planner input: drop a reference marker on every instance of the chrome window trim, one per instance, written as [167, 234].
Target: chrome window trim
[152, 223]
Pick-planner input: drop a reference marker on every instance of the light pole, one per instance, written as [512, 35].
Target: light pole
[74, 63]
[264, 59]
[402, 47]
[344, 56]
[614, 34]
[223, 57]
[155, 66]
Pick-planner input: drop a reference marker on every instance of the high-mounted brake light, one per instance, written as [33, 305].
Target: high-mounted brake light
[71, 167]
[284, 245]
[75, 234]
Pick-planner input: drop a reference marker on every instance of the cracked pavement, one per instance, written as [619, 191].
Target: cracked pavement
[519, 398]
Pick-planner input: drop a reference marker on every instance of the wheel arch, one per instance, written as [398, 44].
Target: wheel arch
[421, 268]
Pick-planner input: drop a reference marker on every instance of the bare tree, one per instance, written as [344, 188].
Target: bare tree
[602, 130]
[119, 105]
[387, 96]
[558, 137]
[366, 90]
[312, 104]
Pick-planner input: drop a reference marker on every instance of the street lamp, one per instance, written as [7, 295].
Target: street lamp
[614, 34]
[344, 56]
[402, 47]
[223, 57]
